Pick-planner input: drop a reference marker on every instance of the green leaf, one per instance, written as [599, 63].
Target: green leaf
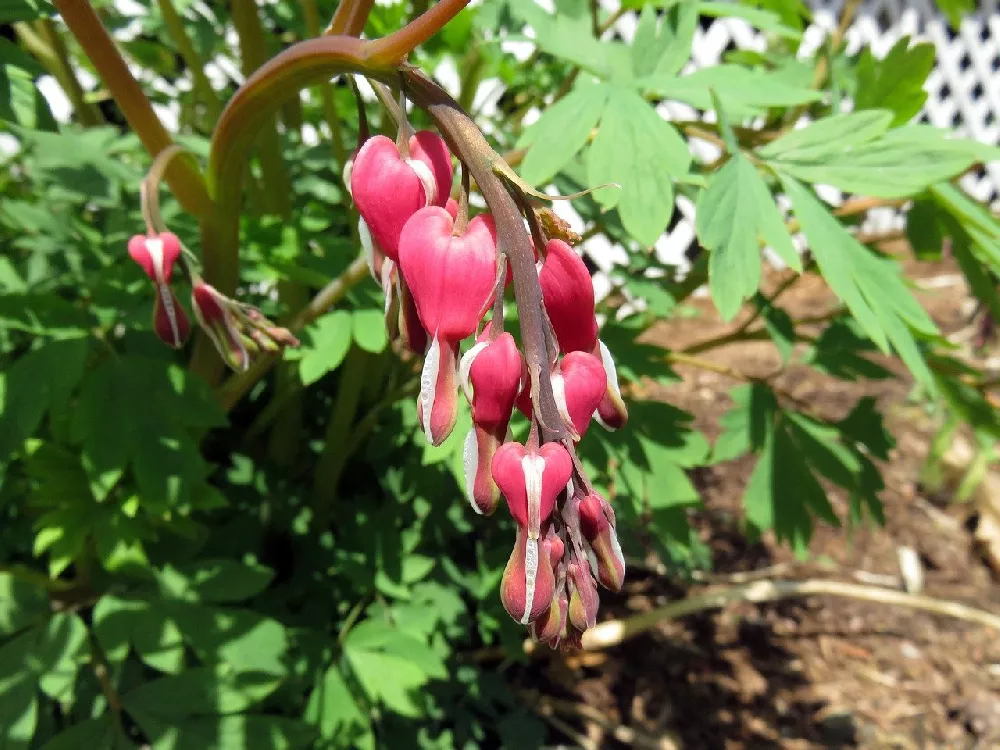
[101, 733]
[839, 352]
[765, 20]
[214, 581]
[561, 131]
[391, 665]
[744, 91]
[43, 315]
[830, 136]
[21, 603]
[369, 330]
[955, 9]
[42, 379]
[244, 732]
[870, 286]
[661, 46]
[901, 163]
[21, 103]
[18, 712]
[733, 213]
[333, 710]
[897, 81]
[142, 412]
[637, 149]
[324, 345]
[24, 10]
[199, 691]
[568, 34]
[746, 426]
[48, 655]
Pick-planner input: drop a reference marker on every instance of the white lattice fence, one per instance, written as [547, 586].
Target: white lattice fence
[963, 90]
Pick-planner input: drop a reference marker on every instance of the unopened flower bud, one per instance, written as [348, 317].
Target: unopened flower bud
[597, 524]
[568, 294]
[216, 317]
[583, 599]
[528, 580]
[238, 330]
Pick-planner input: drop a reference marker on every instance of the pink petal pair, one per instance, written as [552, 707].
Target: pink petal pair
[157, 256]
[389, 189]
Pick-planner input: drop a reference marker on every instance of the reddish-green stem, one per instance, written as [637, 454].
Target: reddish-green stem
[183, 178]
[393, 49]
[350, 17]
[468, 143]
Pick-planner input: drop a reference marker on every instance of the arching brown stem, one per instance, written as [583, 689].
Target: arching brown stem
[468, 143]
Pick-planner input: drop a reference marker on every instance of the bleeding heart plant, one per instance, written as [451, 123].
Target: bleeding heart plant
[445, 275]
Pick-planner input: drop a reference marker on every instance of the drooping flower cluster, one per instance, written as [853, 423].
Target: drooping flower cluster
[441, 275]
[238, 330]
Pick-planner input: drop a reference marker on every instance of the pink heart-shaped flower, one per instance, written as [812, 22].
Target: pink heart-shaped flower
[579, 387]
[531, 481]
[450, 277]
[491, 377]
[388, 189]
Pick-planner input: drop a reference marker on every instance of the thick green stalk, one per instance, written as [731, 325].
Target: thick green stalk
[311, 15]
[183, 177]
[202, 86]
[333, 459]
[43, 41]
[253, 54]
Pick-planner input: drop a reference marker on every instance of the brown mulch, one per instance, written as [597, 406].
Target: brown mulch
[817, 672]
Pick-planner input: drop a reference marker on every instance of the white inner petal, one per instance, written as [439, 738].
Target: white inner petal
[428, 384]
[593, 561]
[387, 266]
[609, 367]
[154, 245]
[368, 248]
[616, 547]
[168, 304]
[346, 176]
[559, 391]
[426, 178]
[465, 366]
[530, 573]
[533, 467]
[470, 460]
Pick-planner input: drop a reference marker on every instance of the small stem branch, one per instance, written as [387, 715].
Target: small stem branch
[333, 459]
[185, 181]
[237, 386]
[350, 17]
[614, 632]
[45, 43]
[311, 15]
[393, 49]
[103, 674]
[174, 24]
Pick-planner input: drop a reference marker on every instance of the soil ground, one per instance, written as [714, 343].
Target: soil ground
[814, 672]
